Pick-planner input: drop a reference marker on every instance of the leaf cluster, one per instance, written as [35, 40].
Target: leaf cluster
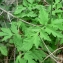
[34, 28]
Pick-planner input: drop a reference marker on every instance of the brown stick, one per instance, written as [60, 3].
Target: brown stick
[6, 59]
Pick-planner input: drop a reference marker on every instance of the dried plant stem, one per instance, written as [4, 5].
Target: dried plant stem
[6, 59]
[53, 53]
[10, 14]
[52, 56]
[14, 54]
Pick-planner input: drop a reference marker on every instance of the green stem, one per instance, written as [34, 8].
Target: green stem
[51, 11]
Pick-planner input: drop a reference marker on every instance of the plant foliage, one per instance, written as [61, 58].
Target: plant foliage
[34, 28]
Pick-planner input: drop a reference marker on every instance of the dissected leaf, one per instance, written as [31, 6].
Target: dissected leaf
[6, 37]
[3, 50]
[31, 14]
[55, 33]
[29, 57]
[38, 54]
[36, 40]
[57, 21]
[44, 35]
[43, 16]
[6, 30]
[31, 1]
[27, 45]
[57, 26]
[19, 9]
[25, 3]
[2, 34]
[61, 41]
[20, 60]
[17, 40]
[14, 28]
[57, 1]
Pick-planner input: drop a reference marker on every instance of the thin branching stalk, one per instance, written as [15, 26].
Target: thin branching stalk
[10, 14]
[53, 53]
[52, 56]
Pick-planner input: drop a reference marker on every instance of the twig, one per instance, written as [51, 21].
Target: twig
[53, 53]
[16, 2]
[1, 13]
[5, 24]
[14, 54]
[10, 14]
[6, 12]
[52, 56]
[6, 61]
[29, 23]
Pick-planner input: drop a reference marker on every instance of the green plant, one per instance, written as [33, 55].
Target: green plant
[35, 30]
